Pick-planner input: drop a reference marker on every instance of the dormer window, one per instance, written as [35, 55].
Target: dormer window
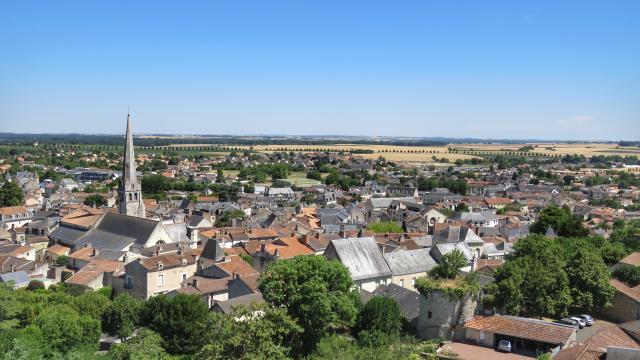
[160, 266]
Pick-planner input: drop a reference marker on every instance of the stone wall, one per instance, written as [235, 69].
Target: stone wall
[443, 317]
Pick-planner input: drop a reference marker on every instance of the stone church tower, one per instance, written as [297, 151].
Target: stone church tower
[130, 189]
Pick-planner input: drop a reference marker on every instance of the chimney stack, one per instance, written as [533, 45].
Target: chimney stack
[195, 283]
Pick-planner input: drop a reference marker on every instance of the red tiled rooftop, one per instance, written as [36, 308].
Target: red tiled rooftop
[530, 329]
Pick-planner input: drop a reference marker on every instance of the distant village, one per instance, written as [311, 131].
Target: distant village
[437, 239]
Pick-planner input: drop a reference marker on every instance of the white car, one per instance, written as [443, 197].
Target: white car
[504, 345]
[587, 319]
[579, 320]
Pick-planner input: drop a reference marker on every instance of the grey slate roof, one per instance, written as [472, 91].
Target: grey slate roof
[441, 249]
[408, 300]
[410, 261]
[100, 239]
[227, 306]
[65, 235]
[424, 241]
[19, 278]
[362, 257]
[212, 250]
[116, 232]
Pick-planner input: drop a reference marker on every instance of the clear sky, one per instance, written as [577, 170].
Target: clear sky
[485, 69]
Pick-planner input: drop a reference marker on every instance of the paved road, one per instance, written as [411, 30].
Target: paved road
[587, 332]
[475, 352]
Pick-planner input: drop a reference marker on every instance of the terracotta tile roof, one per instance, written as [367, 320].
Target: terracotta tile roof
[632, 259]
[262, 233]
[536, 330]
[169, 260]
[83, 277]
[209, 233]
[492, 264]
[59, 249]
[235, 251]
[493, 239]
[84, 217]
[20, 250]
[288, 247]
[235, 265]
[632, 292]
[82, 254]
[204, 285]
[13, 210]
[611, 336]
[104, 265]
[497, 201]
[251, 281]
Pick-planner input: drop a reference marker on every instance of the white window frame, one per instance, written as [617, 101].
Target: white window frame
[160, 280]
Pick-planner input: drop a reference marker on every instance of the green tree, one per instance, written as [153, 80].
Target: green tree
[589, 281]
[269, 336]
[145, 345]
[450, 264]
[314, 175]
[627, 234]
[385, 227]
[379, 322]
[10, 194]
[63, 328]
[629, 275]
[95, 200]
[62, 260]
[462, 207]
[316, 292]
[533, 282]
[120, 318]
[249, 188]
[561, 221]
[91, 303]
[179, 320]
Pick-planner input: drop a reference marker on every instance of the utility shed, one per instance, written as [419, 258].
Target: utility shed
[364, 260]
[524, 333]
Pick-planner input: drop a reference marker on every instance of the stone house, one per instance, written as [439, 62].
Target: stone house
[159, 274]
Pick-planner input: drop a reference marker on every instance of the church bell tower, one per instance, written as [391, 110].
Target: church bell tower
[130, 189]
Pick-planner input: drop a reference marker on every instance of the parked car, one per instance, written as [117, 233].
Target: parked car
[504, 345]
[587, 319]
[580, 321]
[568, 321]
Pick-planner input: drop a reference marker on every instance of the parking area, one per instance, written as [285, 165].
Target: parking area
[475, 352]
[583, 334]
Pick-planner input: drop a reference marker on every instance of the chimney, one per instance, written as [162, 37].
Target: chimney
[195, 283]
[262, 246]
[95, 252]
[13, 267]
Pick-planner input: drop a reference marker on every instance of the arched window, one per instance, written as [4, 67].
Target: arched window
[135, 196]
[130, 197]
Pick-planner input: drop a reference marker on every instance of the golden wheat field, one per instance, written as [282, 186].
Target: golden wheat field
[452, 152]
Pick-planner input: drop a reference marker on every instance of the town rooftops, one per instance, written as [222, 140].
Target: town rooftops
[227, 306]
[362, 257]
[530, 329]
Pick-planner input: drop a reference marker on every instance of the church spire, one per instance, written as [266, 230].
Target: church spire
[130, 190]
[129, 166]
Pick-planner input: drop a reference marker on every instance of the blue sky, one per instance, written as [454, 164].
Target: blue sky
[484, 69]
